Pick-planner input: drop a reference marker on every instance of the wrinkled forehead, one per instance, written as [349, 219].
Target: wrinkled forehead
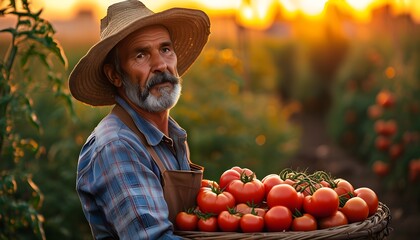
[147, 33]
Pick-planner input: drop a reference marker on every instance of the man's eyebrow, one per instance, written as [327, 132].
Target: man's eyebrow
[167, 43]
[142, 48]
[148, 47]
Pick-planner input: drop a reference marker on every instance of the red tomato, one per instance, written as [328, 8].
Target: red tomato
[251, 223]
[305, 189]
[243, 208]
[325, 183]
[283, 195]
[323, 203]
[240, 170]
[385, 99]
[382, 143]
[306, 222]
[396, 150]
[301, 197]
[227, 177]
[278, 218]
[414, 169]
[237, 168]
[289, 181]
[214, 200]
[209, 183]
[355, 209]
[375, 111]
[335, 220]
[370, 198]
[185, 221]
[228, 222]
[247, 189]
[259, 211]
[380, 127]
[343, 188]
[270, 181]
[380, 168]
[207, 224]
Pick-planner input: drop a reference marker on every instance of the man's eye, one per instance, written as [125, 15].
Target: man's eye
[166, 49]
[141, 55]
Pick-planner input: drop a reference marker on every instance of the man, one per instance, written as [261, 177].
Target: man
[137, 66]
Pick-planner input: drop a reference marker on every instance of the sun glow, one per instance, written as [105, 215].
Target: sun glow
[256, 14]
[249, 12]
[312, 8]
[359, 4]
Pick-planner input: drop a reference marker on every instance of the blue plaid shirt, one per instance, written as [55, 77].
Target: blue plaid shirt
[118, 182]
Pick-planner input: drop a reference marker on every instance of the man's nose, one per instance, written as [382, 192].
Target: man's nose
[158, 63]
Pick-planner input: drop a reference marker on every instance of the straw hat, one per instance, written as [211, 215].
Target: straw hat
[189, 30]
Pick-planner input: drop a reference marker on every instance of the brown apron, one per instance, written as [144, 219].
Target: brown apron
[180, 187]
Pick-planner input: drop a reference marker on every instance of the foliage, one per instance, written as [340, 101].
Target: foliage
[32, 43]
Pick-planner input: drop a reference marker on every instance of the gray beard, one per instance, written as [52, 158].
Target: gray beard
[142, 98]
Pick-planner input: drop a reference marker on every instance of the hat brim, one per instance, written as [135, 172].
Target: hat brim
[189, 30]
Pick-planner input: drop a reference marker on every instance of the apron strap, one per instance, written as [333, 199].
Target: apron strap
[127, 120]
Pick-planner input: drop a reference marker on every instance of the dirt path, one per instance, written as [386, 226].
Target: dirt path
[318, 152]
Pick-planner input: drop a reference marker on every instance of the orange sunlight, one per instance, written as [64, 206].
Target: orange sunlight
[256, 14]
[250, 13]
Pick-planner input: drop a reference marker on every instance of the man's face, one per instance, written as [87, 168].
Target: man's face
[149, 66]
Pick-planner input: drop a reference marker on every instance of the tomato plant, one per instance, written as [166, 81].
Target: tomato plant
[228, 221]
[186, 221]
[370, 198]
[305, 222]
[214, 200]
[278, 218]
[251, 223]
[355, 209]
[247, 189]
[323, 203]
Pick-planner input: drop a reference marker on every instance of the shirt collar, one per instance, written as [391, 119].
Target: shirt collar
[153, 135]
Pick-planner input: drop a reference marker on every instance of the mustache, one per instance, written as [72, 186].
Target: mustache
[161, 78]
[158, 79]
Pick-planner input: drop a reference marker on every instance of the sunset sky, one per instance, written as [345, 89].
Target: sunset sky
[253, 9]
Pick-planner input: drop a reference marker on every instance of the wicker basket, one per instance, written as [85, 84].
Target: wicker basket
[375, 227]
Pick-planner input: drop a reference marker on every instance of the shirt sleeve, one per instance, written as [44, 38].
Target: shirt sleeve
[129, 193]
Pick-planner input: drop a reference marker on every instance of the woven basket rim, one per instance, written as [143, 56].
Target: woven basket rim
[375, 227]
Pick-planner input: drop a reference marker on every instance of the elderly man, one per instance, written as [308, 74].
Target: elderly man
[127, 168]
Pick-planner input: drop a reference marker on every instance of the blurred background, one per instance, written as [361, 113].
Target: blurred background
[329, 85]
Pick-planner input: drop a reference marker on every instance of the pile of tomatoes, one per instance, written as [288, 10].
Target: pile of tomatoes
[288, 201]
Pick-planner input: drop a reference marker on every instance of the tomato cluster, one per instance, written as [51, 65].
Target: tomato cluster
[395, 141]
[289, 201]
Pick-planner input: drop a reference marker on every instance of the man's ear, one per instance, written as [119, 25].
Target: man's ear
[112, 75]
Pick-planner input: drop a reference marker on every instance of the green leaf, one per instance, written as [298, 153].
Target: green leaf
[24, 23]
[10, 30]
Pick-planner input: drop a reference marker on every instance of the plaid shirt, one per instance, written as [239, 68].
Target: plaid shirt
[118, 182]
